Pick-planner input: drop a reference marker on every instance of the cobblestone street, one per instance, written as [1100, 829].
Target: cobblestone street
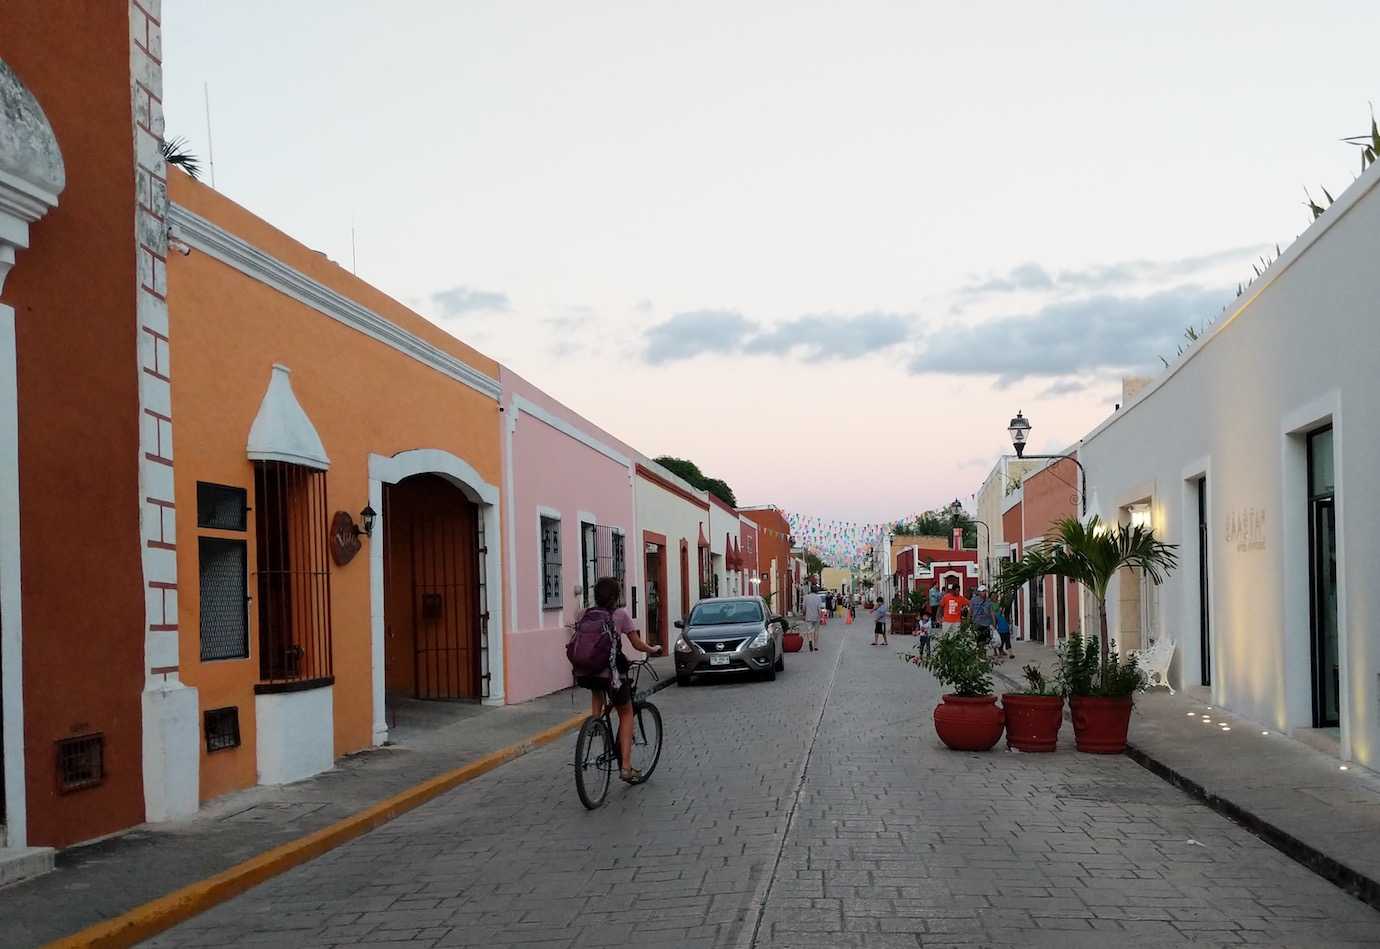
[818, 810]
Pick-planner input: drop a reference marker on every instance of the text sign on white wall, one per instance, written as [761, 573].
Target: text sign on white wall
[1246, 528]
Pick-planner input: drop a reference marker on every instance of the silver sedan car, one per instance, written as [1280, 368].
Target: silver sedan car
[730, 634]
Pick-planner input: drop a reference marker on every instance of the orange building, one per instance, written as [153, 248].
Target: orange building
[304, 396]
[75, 180]
[1048, 610]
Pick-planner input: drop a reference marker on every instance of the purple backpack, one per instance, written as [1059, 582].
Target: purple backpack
[591, 649]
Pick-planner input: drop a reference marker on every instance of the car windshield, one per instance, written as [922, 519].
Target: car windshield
[724, 614]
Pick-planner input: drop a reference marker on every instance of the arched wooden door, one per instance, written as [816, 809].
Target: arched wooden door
[431, 590]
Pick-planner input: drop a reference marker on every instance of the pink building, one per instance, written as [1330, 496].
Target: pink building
[569, 518]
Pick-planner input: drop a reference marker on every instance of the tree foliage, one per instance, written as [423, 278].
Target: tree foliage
[175, 153]
[814, 566]
[938, 523]
[688, 470]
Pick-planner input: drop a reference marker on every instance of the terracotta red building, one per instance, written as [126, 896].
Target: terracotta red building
[920, 568]
[773, 555]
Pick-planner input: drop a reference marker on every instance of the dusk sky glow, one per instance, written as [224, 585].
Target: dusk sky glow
[824, 250]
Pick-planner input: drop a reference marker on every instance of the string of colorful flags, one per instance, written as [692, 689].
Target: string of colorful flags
[841, 543]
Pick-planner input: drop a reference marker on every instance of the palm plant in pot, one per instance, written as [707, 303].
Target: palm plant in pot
[968, 718]
[1035, 714]
[1092, 554]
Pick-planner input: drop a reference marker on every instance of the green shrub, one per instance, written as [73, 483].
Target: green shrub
[957, 661]
[1081, 670]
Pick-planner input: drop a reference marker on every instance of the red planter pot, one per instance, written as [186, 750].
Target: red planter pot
[1100, 724]
[967, 723]
[1033, 721]
[792, 642]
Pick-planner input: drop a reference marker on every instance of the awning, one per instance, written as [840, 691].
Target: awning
[282, 431]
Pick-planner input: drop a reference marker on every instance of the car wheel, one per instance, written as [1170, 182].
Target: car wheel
[682, 680]
[781, 662]
[770, 674]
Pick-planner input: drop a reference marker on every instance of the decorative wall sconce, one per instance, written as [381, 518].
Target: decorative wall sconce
[345, 534]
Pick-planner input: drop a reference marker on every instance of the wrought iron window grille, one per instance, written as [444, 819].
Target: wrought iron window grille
[80, 762]
[222, 728]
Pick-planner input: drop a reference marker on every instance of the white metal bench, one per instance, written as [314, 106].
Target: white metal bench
[1155, 662]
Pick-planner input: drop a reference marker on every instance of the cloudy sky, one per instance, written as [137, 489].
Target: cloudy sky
[824, 249]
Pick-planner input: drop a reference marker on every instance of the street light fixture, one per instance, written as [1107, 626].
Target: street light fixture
[1019, 428]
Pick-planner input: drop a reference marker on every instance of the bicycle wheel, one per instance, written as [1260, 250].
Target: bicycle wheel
[593, 762]
[646, 744]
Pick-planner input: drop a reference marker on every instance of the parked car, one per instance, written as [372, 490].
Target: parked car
[730, 634]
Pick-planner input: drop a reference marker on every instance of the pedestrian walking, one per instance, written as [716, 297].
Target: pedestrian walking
[880, 616]
[981, 612]
[922, 629]
[936, 593]
[814, 612]
[1004, 632]
[952, 605]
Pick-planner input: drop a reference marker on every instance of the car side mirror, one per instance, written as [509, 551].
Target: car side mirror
[679, 624]
[779, 619]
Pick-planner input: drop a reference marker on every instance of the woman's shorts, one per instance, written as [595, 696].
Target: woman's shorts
[619, 696]
[880, 629]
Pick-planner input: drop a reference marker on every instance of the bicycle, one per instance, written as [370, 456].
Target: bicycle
[596, 748]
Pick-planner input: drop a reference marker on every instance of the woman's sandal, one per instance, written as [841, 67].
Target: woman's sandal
[630, 775]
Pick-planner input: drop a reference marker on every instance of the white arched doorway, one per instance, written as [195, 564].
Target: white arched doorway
[385, 470]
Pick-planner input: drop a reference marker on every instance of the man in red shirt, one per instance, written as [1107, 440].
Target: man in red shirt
[952, 605]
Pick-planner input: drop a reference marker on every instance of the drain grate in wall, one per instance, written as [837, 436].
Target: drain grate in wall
[222, 726]
[80, 762]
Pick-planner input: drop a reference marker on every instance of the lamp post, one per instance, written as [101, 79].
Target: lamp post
[1019, 428]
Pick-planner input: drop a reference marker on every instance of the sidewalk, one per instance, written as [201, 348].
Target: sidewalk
[1296, 798]
[103, 879]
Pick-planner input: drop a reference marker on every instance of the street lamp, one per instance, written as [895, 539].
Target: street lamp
[1019, 428]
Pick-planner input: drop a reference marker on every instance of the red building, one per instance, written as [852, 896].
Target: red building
[1049, 610]
[920, 568]
[773, 555]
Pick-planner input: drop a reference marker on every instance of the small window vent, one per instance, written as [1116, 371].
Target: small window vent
[222, 728]
[220, 507]
[80, 762]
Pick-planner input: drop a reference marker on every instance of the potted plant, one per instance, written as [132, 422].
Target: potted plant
[968, 718]
[1035, 715]
[1092, 554]
[1100, 686]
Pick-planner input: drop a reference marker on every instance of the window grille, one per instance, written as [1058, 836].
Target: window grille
[222, 727]
[80, 762]
[551, 563]
[293, 575]
[224, 598]
[603, 553]
[220, 506]
[482, 569]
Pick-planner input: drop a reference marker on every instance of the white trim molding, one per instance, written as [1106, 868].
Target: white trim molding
[384, 469]
[11, 610]
[521, 404]
[215, 241]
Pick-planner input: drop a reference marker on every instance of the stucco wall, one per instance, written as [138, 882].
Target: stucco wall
[666, 512]
[73, 292]
[362, 396]
[553, 471]
[1299, 348]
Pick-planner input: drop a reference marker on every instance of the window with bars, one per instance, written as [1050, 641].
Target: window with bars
[603, 553]
[80, 762]
[293, 575]
[222, 727]
[224, 572]
[551, 563]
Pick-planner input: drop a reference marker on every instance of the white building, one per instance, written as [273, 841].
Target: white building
[1253, 453]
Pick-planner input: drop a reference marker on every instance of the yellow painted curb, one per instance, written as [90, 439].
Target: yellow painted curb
[167, 911]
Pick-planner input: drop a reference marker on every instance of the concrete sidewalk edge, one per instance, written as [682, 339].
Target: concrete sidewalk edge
[1364, 888]
[167, 911]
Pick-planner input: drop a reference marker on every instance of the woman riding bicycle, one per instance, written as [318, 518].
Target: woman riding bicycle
[606, 595]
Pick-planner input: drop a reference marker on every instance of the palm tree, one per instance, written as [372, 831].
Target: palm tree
[1090, 553]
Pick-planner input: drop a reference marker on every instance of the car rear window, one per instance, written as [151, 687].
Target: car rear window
[723, 614]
